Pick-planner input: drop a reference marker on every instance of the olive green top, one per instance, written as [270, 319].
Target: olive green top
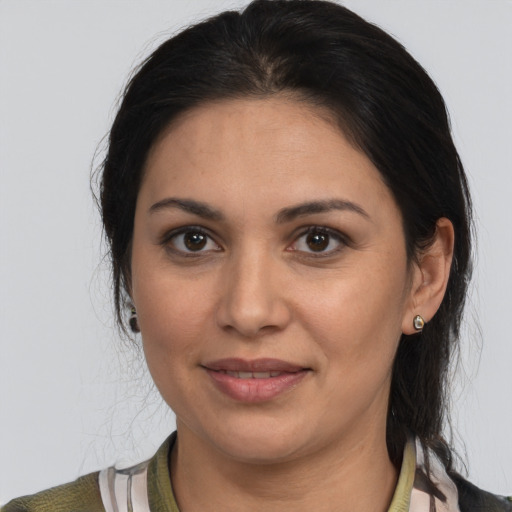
[84, 495]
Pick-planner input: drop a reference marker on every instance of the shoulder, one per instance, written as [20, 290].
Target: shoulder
[146, 484]
[473, 499]
[448, 490]
[82, 495]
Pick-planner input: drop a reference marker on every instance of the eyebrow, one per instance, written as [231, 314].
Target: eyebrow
[292, 212]
[188, 205]
[288, 214]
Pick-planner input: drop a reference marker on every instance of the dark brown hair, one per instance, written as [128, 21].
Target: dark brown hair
[383, 101]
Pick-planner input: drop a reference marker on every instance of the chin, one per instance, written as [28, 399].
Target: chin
[261, 449]
[257, 441]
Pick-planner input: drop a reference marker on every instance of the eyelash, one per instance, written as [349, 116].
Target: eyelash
[167, 241]
[333, 234]
[342, 240]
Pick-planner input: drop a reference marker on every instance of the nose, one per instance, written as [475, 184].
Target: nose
[252, 301]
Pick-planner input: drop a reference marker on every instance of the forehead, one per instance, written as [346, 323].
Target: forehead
[276, 149]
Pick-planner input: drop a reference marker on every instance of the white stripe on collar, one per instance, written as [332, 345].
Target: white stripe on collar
[125, 490]
[443, 497]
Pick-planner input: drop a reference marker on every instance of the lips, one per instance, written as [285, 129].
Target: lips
[254, 365]
[252, 375]
[254, 381]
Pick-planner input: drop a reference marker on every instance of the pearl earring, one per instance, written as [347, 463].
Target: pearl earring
[418, 323]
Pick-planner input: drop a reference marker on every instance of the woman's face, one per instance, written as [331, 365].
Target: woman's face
[270, 278]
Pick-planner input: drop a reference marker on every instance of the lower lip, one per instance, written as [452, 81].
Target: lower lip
[255, 390]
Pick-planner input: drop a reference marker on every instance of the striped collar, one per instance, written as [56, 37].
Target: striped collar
[146, 487]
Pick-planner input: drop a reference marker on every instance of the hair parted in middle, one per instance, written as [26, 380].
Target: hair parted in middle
[364, 81]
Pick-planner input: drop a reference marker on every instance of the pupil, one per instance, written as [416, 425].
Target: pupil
[194, 241]
[317, 241]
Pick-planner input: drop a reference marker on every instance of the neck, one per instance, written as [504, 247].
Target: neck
[344, 476]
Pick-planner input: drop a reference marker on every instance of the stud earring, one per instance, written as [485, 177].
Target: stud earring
[134, 324]
[418, 323]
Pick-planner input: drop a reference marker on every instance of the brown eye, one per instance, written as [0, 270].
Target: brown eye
[189, 240]
[317, 242]
[194, 241]
[322, 241]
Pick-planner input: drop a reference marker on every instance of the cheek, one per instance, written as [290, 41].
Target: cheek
[172, 311]
[171, 316]
[358, 335]
[173, 327]
[356, 317]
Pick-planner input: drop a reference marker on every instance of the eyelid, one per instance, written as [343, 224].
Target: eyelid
[166, 238]
[342, 238]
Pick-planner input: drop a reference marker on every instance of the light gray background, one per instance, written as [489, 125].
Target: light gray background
[72, 396]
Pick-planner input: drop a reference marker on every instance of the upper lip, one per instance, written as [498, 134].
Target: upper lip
[255, 365]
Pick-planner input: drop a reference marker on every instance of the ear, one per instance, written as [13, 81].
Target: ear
[430, 277]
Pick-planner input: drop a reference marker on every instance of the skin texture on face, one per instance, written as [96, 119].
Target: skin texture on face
[261, 233]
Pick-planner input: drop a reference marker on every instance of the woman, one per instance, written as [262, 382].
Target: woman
[289, 223]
